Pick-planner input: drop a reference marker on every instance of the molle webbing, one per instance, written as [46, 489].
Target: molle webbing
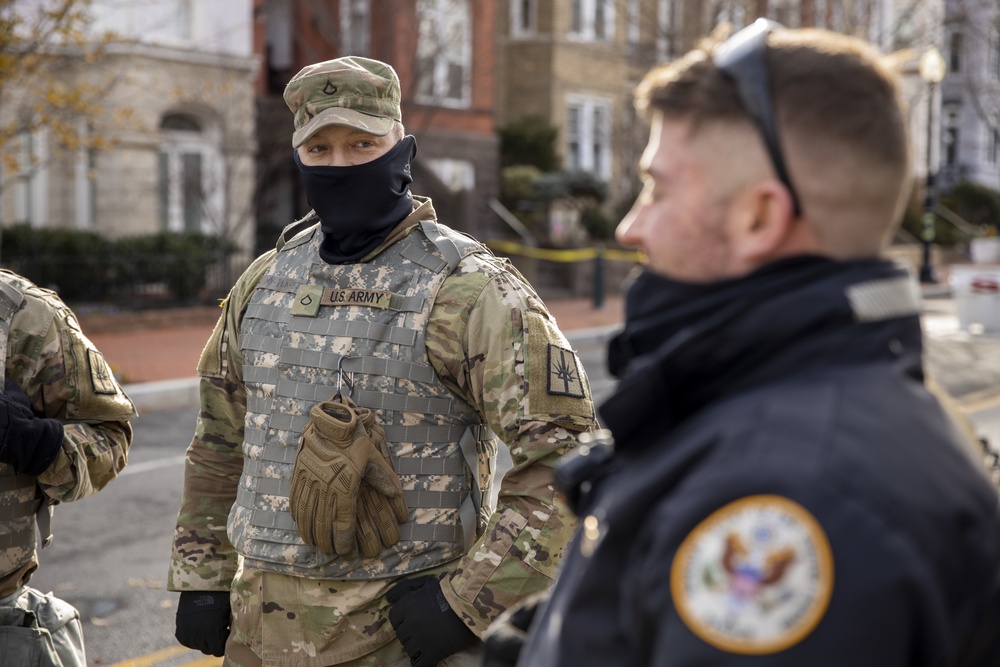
[313, 328]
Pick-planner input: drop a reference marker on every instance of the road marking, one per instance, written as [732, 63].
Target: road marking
[198, 659]
[155, 464]
[973, 403]
[204, 662]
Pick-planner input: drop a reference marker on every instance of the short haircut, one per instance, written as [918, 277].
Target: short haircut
[829, 91]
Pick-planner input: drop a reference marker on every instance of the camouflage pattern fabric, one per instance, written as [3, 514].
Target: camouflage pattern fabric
[492, 341]
[66, 378]
[353, 91]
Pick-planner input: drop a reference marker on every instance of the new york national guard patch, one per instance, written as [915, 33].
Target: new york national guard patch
[755, 577]
[101, 376]
[564, 373]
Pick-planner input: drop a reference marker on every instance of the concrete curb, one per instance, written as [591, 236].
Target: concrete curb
[163, 394]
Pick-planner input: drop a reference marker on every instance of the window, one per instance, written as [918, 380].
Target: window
[190, 179]
[991, 146]
[85, 186]
[355, 27]
[457, 175]
[522, 17]
[668, 29]
[995, 54]
[592, 19]
[732, 12]
[949, 137]
[955, 52]
[444, 52]
[588, 135]
[820, 17]
[633, 21]
[30, 181]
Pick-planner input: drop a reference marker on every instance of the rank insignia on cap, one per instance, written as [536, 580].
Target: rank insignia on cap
[755, 577]
[564, 373]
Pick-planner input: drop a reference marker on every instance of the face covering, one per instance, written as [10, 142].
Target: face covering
[359, 205]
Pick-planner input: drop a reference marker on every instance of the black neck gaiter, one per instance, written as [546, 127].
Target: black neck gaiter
[359, 205]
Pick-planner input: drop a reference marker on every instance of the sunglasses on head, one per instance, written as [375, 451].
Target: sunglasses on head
[742, 58]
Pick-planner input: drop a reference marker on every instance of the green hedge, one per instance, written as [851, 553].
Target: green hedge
[86, 267]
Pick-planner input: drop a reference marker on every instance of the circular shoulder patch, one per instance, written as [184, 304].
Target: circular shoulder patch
[755, 577]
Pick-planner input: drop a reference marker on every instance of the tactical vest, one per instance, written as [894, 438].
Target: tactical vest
[311, 329]
[20, 500]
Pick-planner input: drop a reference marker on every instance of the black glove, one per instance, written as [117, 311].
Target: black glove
[27, 442]
[425, 623]
[203, 621]
[503, 641]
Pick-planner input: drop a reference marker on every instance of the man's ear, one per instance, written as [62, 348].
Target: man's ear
[762, 224]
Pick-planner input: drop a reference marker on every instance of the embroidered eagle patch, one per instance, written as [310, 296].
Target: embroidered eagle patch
[755, 577]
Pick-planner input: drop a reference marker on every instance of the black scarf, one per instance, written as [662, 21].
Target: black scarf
[359, 205]
[685, 345]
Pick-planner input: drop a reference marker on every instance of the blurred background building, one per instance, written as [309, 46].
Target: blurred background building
[145, 116]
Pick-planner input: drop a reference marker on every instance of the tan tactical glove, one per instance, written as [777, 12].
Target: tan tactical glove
[337, 454]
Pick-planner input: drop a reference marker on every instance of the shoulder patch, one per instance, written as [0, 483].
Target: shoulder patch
[755, 577]
[564, 373]
[102, 379]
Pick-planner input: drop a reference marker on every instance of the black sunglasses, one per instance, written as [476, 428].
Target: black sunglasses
[742, 58]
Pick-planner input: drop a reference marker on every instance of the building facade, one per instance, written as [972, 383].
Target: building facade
[576, 64]
[970, 105]
[173, 82]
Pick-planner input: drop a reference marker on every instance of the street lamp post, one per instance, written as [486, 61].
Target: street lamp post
[932, 71]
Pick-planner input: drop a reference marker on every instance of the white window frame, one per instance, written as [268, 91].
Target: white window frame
[84, 183]
[176, 145]
[590, 12]
[523, 18]
[634, 18]
[444, 41]
[668, 22]
[587, 136]
[355, 27]
[734, 13]
[819, 13]
[31, 183]
[991, 141]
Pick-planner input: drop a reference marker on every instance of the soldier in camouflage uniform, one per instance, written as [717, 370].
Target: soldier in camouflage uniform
[64, 434]
[369, 297]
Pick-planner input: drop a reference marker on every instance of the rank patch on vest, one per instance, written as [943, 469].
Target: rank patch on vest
[307, 300]
[101, 376]
[755, 577]
[564, 373]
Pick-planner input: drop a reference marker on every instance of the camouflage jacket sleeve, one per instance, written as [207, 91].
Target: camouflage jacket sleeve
[493, 341]
[68, 379]
[202, 559]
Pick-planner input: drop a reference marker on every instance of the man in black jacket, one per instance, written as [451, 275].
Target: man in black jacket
[782, 489]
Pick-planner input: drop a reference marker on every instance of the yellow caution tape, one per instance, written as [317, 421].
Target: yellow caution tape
[569, 255]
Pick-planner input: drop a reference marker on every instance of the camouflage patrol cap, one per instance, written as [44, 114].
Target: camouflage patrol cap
[353, 91]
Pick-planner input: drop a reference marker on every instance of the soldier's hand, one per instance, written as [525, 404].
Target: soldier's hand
[425, 623]
[203, 619]
[337, 453]
[505, 637]
[29, 443]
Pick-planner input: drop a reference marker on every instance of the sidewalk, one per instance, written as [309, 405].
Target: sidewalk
[155, 357]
